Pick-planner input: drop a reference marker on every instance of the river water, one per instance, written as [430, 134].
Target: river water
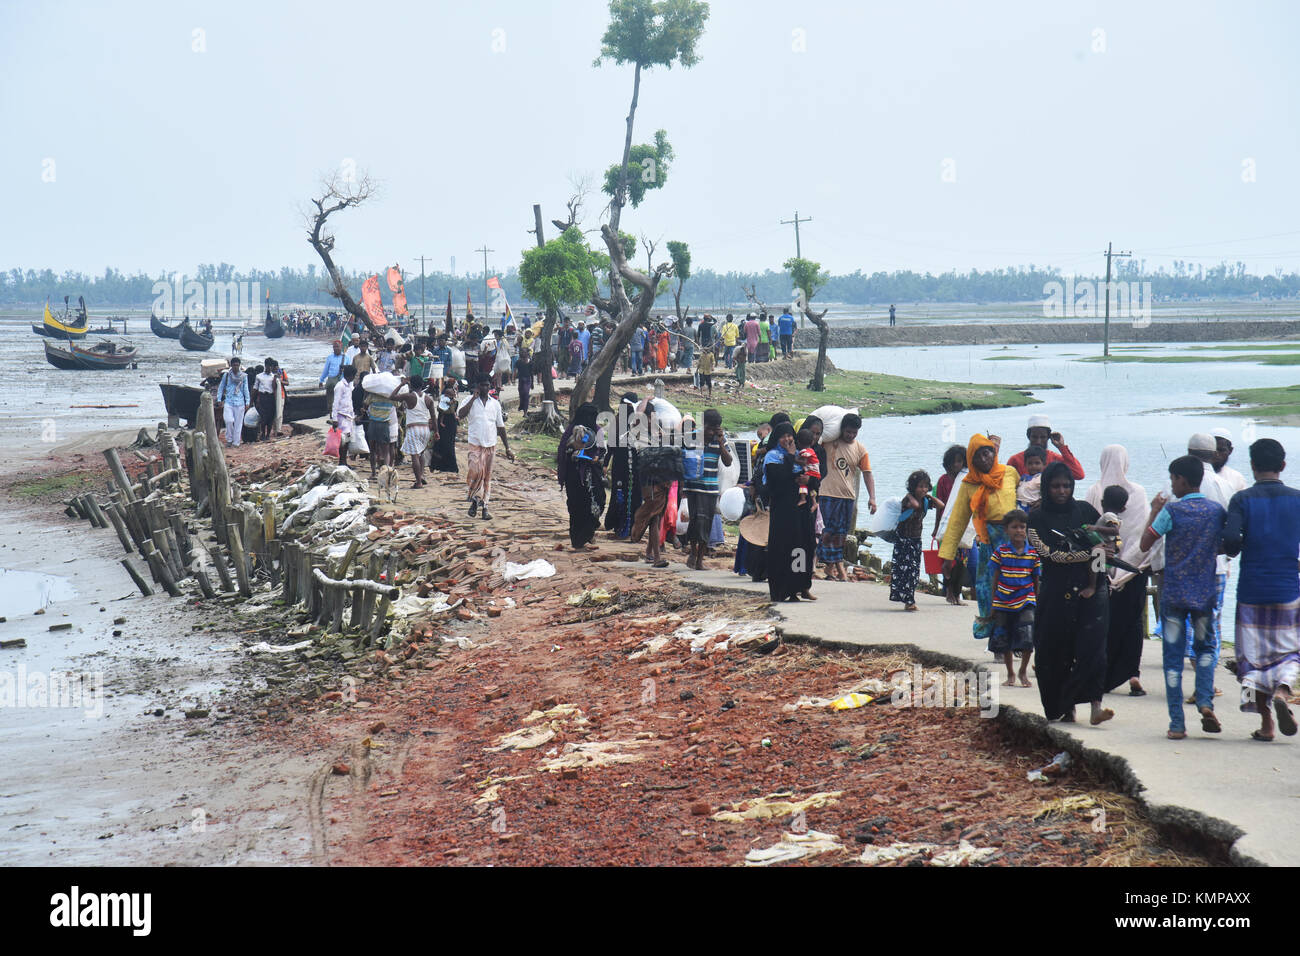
[1149, 408]
[36, 400]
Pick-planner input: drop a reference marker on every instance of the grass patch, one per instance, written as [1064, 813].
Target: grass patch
[1008, 358]
[1291, 358]
[50, 485]
[1277, 405]
[537, 448]
[1283, 347]
[874, 394]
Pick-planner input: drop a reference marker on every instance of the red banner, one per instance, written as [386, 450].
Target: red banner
[394, 279]
[399, 304]
[371, 300]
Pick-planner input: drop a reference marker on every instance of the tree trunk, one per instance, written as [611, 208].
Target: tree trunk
[823, 337]
[548, 327]
[595, 380]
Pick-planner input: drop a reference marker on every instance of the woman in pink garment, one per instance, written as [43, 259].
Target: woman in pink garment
[751, 335]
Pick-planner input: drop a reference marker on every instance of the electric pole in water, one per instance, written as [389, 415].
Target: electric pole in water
[1110, 255]
[422, 315]
[487, 312]
[798, 250]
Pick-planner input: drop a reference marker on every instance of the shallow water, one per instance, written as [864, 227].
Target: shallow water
[1150, 409]
[25, 592]
[36, 402]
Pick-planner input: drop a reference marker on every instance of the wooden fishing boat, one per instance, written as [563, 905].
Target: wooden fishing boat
[102, 356]
[162, 330]
[272, 328]
[60, 357]
[65, 327]
[300, 405]
[193, 340]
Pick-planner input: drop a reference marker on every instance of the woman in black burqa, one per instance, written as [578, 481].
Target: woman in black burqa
[790, 527]
[1069, 631]
[579, 467]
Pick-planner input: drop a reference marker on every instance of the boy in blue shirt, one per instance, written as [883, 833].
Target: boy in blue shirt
[1191, 526]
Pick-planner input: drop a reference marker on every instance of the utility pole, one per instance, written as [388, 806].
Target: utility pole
[422, 315]
[1109, 255]
[798, 251]
[487, 312]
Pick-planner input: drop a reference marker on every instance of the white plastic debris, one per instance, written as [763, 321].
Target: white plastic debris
[541, 568]
[264, 648]
[793, 846]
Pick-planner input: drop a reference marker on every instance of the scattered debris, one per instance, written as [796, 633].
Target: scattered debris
[793, 846]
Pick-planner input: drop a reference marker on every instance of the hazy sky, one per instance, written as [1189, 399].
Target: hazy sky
[163, 156]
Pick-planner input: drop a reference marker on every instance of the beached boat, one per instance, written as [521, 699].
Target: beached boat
[102, 356]
[193, 340]
[65, 327]
[162, 330]
[273, 328]
[299, 405]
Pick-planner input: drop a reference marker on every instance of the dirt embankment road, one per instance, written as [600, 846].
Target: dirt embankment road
[1050, 332]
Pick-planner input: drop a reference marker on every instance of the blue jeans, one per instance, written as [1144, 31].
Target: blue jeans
[636, 362]
[728, 355]
[1203, 642]
[1221, 583]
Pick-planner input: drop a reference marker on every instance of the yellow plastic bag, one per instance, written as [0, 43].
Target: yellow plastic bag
[851, 701]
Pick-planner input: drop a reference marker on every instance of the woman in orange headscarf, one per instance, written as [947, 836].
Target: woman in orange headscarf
[985, 495]
[662, 356]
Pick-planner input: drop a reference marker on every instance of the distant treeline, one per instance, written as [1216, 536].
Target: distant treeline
[705, 289]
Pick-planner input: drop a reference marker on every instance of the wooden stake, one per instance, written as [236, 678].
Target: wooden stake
[119, 473]
[135, 576]
[120, 527]
[223, 570]
[238, 559]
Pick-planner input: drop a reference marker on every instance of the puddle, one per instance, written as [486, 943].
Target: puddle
[25, 592]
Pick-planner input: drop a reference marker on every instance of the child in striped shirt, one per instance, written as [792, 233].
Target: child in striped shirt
[1016, 568]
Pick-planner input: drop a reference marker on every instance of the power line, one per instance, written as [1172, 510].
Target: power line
[487, 312]
[1110, 255]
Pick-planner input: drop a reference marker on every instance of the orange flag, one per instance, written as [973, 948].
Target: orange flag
[469, 306]
[394, 279]
[371, 300]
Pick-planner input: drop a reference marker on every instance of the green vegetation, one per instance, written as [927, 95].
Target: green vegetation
[50, 485]
[1272, 406]
[874, 395]
[1008, 358]
[1283, 347]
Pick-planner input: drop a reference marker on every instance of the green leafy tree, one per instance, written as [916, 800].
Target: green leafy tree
[808, 280]
[680, 253]
[645, 34]
[557, 273]
[647, 169]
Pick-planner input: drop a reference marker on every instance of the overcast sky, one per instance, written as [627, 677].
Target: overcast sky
[916, 135]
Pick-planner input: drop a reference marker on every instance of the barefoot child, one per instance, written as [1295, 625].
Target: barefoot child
[906, 566]
[1016, 567]
[809, 466]
[954, 463]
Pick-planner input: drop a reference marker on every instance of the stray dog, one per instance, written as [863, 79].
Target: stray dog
[388, 483]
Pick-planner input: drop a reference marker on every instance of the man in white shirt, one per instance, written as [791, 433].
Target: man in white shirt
[1223, 451]
[486, 425]
[264, 387]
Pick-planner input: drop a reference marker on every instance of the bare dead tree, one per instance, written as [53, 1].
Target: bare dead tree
[595, 380]
[338, 193]
[581, 185]
[752, 295]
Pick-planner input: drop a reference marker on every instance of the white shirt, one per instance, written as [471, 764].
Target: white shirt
[1234, 479]
[342, 411]
[484, 419]
[265, 382]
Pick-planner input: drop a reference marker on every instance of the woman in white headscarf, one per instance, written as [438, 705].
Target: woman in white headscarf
[1128, 590]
